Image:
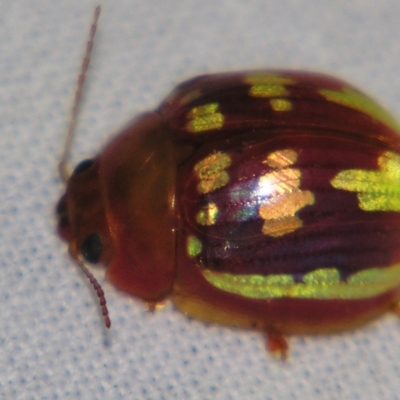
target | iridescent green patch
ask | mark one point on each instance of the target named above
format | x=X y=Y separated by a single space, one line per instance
x=323 y=283
x=376 y=190
x=211 y=172
x=194 y=246
x=268 y=90
x=358 y=101
x=204 y=118
x=281 y=105
x=266 y=78
x=268 y=85
x=208 y=214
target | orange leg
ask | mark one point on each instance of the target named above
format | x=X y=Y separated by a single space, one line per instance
x=277 y=345
x=396 y=308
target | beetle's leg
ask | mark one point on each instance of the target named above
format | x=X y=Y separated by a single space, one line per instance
x=277 y=345
x=396 y=308
x=155 y=305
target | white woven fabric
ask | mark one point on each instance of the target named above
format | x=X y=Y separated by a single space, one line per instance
x=52 y=343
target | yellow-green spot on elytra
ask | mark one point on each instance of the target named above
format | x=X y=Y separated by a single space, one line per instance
x=265 y=78
x=268 y=85
x=377 y=190
x=194 y=246
x=281 y=104
x=211 y=172
x=268 y=90
x=204 y=118
x=208 y=214
x=359 y=101
x=323 y=283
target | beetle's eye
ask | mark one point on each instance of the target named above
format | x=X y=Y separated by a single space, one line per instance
x=82 y=166
x=91 y=248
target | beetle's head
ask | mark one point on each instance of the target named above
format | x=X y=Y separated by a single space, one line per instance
x=81 y=215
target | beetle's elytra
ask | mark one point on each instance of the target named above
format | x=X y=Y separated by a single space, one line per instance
x=267 y=200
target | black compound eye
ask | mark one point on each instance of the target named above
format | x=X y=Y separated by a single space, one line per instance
x=82 y=166
x=91 y=248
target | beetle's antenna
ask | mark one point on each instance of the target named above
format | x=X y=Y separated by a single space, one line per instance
x=99 y=291
x=63 y=167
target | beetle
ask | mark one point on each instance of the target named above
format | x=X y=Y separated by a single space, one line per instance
x=267 y=200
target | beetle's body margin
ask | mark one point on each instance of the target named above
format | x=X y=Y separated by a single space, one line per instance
x=266 y=200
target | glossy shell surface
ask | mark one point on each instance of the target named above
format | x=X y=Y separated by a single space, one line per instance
x=266 y=200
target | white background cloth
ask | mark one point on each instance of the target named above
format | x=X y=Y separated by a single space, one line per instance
x=52 y=341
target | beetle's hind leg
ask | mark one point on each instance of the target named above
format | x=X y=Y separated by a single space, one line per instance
x=277 y=345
